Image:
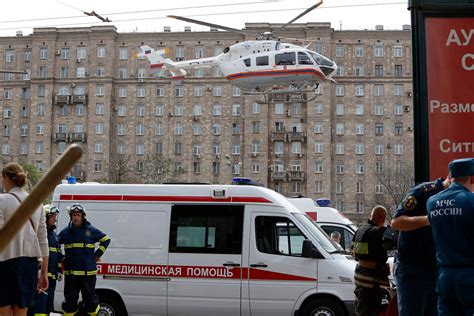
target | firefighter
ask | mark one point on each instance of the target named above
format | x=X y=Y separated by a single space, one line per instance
x=80 y=262
x=370 y=244
x=44 y=301
x=451 y=215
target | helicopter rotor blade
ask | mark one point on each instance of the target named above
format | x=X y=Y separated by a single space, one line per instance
x=302 y=14
x=220 y=27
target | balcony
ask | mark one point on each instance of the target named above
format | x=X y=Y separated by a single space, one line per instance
x=278 y=136
x=60 y=137
x=80 y=98
x=278 y=176
x=77 y=137
x=296 y=175
x=297 y=136
x=60 y=99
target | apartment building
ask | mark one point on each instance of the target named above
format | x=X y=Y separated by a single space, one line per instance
x=351 y=141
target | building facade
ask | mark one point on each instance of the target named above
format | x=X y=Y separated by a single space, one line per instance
x=351 y=141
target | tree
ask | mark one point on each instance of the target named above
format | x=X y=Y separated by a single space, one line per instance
x=396 y=180
x=32 y=174
x=156 y=169
x=119 y=169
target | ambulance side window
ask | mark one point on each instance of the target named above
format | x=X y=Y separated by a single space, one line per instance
x=278 y=235
x=206 y=229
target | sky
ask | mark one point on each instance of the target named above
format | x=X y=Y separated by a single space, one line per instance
x=150 y=16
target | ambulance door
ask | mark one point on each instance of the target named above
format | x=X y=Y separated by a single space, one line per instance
x=278 y=274
x=206 y=249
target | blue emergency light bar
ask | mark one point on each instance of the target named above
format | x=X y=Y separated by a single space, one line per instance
x=323 y=202
x=245 y=181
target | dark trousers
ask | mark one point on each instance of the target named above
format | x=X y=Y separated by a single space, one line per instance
x=86 y=285
x=455 y=288
x=368 y=300
x=44 y=302
x=416 y=290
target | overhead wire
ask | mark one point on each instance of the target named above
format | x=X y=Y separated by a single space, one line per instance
x=116 y=21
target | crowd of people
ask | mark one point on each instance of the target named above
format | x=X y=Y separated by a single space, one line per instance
x=33 y=262
x=434 y=265
x=434 y=268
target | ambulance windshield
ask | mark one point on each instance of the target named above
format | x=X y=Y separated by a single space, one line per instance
x=316 y=233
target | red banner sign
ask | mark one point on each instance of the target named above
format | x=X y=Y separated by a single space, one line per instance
x=450 y=73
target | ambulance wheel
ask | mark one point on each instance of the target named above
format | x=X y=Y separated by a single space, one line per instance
x=110 y=305
x=323 y=307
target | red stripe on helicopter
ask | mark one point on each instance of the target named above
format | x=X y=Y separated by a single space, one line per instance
x=165 y=198
x=156 y=66
x=274 y=73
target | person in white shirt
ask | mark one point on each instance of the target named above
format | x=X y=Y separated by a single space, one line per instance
x=19 y=261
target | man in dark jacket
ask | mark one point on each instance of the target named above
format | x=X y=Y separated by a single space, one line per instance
x=44 y=301
x=370 y=243
x=80 y=267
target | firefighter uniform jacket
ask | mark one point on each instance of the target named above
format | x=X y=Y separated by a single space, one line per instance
x=80 y=250
x=55 y=254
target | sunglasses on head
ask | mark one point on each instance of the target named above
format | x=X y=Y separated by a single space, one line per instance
x=77 y=207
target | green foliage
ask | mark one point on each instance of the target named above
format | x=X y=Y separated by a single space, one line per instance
x=33 y=175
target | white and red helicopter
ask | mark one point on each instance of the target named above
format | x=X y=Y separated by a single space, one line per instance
x=257 y=66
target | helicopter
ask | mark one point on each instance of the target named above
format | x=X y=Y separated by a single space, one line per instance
x=260 y=66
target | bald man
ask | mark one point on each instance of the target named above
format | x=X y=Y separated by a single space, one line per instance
x=371 y=242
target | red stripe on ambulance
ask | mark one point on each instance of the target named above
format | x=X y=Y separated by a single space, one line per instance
x=151 y=198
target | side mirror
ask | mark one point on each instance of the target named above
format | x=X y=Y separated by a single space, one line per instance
x=308 y=250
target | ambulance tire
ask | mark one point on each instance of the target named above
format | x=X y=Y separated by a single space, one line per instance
x=323 y=307
x=110 y=305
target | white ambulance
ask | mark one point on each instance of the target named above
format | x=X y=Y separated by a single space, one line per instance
x=328 y=218
x=209 y=250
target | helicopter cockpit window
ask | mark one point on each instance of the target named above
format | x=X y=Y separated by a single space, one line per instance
x=262 y=60
x=285 y=59
x=247 y=62
x=303 y=59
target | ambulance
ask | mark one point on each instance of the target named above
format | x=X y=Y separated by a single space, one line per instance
x=179 y=249
x=328 y=218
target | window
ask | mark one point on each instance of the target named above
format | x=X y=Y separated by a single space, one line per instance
x=359 y=207
x=198 y=52
x=216 y=110
x=318 y=148
x=81 y=53
x=196 y=167
x=122 y=92
x=256 y=127
x=279 y=127
x=42 y=72
x=378 y=188
x=303 y=59
x=378 y=129
x=140 y=129
x=40 y=129
x=340 y=149
x=319 y=48
x=160 y=91
x=197 y=129
x=279 y=108
x=378 y=50
x=359 y=90
x=359 y=110
x=100 y=90
x=296 y=147
x=139 y=149
x=261 y=61
x=99 y=108
x=63 y=110
x=99 y=128
x=24 y=130
x=397 y=109
x=43 y=53
x=122 y=110
x=398 y=149
x=216 y=167
x=64 y=72
x=216 y=129
x=340 y=51
x=217 y=90
x=206 y=229
x=235 y=109
x=159 y=110
x=378 y=109
x=199 y=73
x=101 y=52
x=255 y=147
x=7 y=93
x=122 y=73
x=378 y=167
x=278 y=236
x=27 y=55
x=359 y=187
x=339 y=187
x=398 y=90
x=318 y=167
x=398 y=71
x=256 y=108
x=197 y=109
x=359 y=129
x=121 y=129
x=339 y=90
x=318 y=186
x=5 y=149
x=198 y=91
x=359 y=71
x=79 y=110
x=279 y=148
x=339 y=168
x=179 y=53
x=98 y=147
x=339 y=129
x=359 y=149
x=179 y=91
x=159 y=148
x=318 y=107
x=97 y=165
x=255 y=167
x=318 y=128
x=121 y=149
x=235 y=91
x=6 y=130
x=359 y=51
x=178 y=110
x=235 y=128
x=247 y=62
x=178 y=148
x=40 y=109
x=159 y=129
x=178 y=128
x=141 y=73
x=296 y=108
x=39 y=147
x=123 y=54
x=23 y=149
x=378 y=90
x=235 y=149
x=216 y=148
x=340 y=71
x=378 y=71
x=285 y=59
x=7 y=112
x=339 y=109
x=398 y=128
x=360 y=168
x=397 y=51
x=379 y=149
